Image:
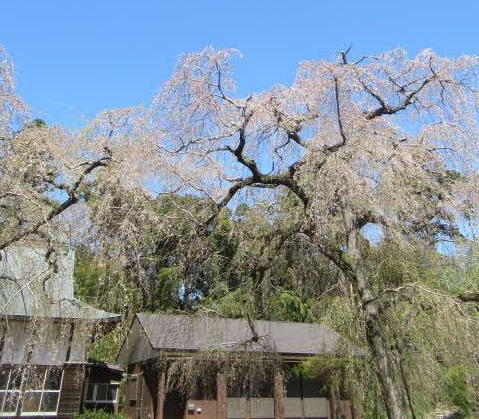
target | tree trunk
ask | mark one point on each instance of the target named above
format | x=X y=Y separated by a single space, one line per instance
x=392 y=386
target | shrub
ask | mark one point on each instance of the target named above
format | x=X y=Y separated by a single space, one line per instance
x=98 y=414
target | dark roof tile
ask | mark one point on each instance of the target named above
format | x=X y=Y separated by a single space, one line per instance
x=194 y=333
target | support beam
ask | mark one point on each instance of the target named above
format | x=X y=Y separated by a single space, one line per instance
x=161 y=395
x=333 y=403
x=221 y=396
x=278 y=396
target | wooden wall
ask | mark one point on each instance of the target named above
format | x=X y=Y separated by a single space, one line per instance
x=307 y=400
x=71 y=390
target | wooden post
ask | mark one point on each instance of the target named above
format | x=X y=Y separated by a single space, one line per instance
x=161 y=395
x=333 y=406
x=221 y=396
x=248 y=408
x=344 y=407
x=278 y=396
x=355 y=406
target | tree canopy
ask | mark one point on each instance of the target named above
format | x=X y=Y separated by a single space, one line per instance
x=333 y=195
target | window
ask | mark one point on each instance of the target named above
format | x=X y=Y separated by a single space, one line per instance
x=40 y=394
x=10 y=381
x=102 y=393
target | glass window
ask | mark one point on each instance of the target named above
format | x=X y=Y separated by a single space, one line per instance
x=41 y=390
x=31 y=401
x=53 y=379
x=35 y=377
x=112 y=391
x=11 y=402
x=102 y=392
x=4 y=373
x=9 y=396
x=15 y=379
x=50 y=401
x=89 y=393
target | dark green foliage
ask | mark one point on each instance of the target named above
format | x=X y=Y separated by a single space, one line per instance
x=457 y=391
x=87 y=276
x=231 y=303
x=98 y=414
x=251 y=262
x=288 y=306
x=36 y=123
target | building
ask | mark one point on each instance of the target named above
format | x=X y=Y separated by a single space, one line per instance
x=102 y=386
x=45 y=333
x=158 y=345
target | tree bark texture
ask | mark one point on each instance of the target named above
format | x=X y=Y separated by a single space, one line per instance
x=392 y=386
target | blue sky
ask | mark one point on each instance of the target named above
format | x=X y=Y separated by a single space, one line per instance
x=75 y=58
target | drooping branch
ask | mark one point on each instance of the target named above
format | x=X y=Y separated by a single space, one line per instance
x=73 y=198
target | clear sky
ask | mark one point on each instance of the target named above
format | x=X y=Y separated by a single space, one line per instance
x=75 y=58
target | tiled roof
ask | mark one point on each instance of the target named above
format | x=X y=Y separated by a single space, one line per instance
x=195 y=333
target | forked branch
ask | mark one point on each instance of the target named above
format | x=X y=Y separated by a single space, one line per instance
x=73 y=198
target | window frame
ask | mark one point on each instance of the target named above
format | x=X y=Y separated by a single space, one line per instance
x=93 y=399
x=22 y=391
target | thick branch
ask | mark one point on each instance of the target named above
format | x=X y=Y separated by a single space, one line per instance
x=238 y=151
x=386 y=109
x=337 y=146
x=292 y=126
x=71 y=200
x=469 y=296
x=259 y=181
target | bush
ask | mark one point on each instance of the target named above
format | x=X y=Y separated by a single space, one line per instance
x=98 y=414
x=458 y=393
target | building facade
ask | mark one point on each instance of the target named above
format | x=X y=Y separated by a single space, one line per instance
x=233 y=353
x=45 y=333
x=102 y=386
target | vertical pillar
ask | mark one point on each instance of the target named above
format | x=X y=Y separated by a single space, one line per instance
x=247 y=412
x=161 y=394
x=248 y=408
x=344 y=406
x=221 y=396
x=278 y=396
x=301 y=389
x=333 y=403
x=355 y=405
x=340 y=409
